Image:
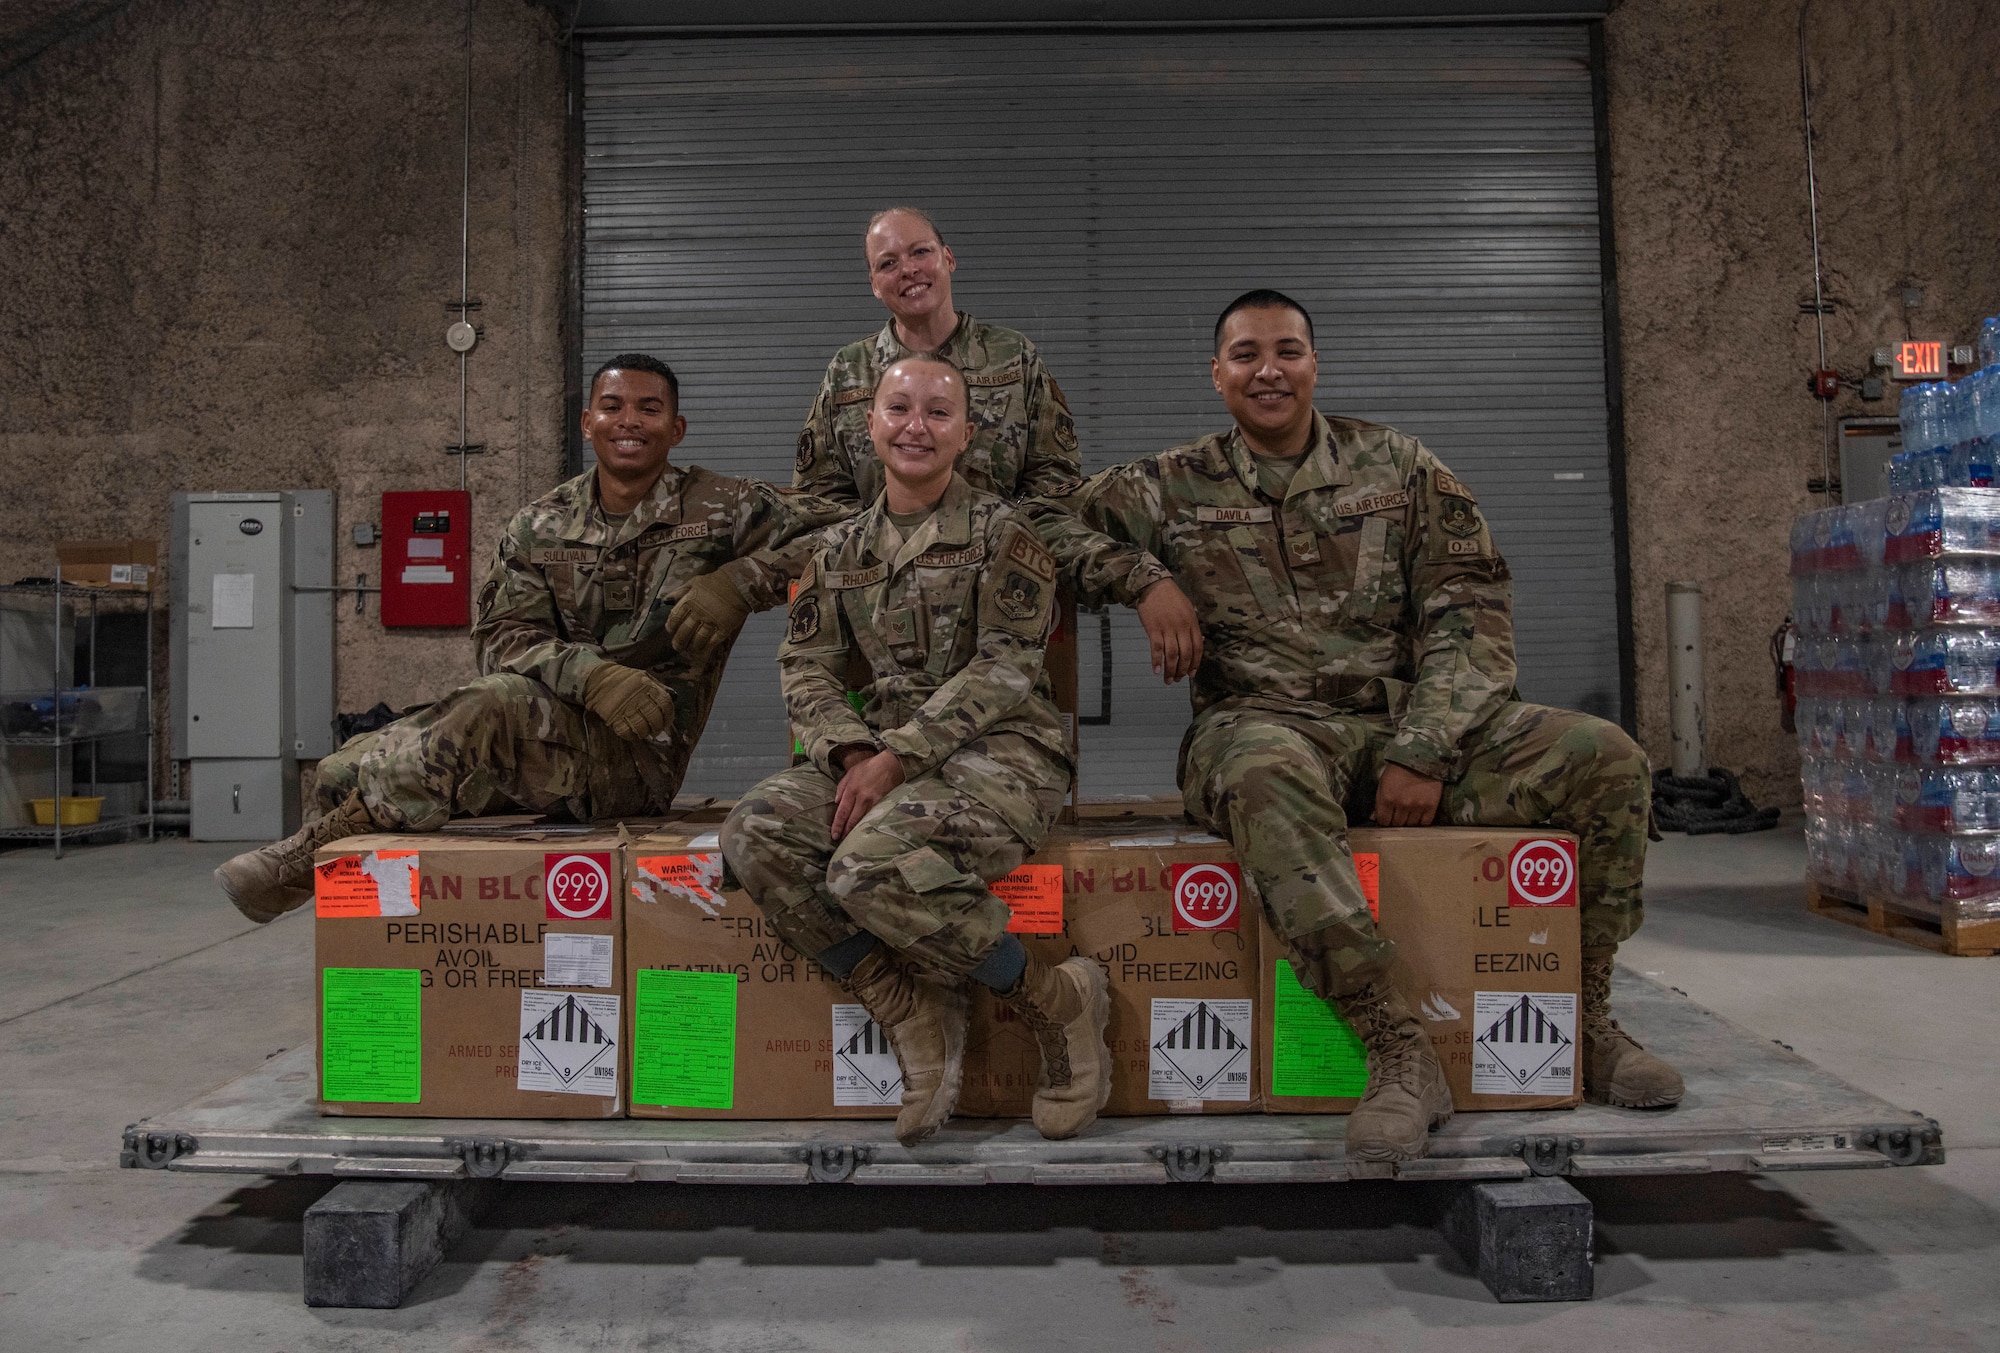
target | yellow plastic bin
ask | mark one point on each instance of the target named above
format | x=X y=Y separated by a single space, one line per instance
x=76 y=812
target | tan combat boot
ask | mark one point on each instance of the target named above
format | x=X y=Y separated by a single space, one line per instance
x=926 y=1025
x=1407 y=1096
x=1066 y=1007
x=268 y=882
x=1616 y=1070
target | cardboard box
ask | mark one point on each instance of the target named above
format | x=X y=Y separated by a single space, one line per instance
x=1488 y=955
x=1160 y=907
x=128 y=565
x=724 y=1019
x=472 y=976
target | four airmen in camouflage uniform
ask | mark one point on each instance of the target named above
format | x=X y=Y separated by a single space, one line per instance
x=1350 y=638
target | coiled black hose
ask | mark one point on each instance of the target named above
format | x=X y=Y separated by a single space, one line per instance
x=1705 y=805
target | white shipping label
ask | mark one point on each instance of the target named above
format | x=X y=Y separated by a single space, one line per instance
x=230 y=599
x=1200 y=1050
x=865 y=1073
x=569 y=1043
x=1523 y=1043
x=576 y=960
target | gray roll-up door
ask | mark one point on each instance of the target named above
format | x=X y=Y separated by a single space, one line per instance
x=1429 y=194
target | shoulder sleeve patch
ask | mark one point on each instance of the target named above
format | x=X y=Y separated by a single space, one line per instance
x=804 y=460
x=1445 y=482
x=1027 y=552
x=804 y=625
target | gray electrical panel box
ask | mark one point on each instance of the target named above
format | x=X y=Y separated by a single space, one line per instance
x=252 y=654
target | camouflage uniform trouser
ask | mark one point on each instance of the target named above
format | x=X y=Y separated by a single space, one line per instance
x=1283 y=787
x=913 y=872
x=502 y=744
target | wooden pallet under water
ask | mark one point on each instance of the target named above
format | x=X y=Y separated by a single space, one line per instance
x=1925 y=924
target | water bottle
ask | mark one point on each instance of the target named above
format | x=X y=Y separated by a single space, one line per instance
x=1989 y=340
x=1910 y=415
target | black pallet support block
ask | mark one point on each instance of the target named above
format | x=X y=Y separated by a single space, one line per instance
x=1527 y=1239
x=369 y=1242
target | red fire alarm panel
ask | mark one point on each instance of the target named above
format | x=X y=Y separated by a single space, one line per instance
x=426 y=548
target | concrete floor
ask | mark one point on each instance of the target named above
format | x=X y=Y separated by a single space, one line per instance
x=128 y=986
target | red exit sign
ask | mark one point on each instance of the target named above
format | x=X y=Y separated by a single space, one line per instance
x=1920 y=359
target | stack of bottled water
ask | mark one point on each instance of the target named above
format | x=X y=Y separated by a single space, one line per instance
x=1897 y=604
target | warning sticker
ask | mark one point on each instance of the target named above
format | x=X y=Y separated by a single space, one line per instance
x=693 y=879
x=380 y=883
x=1314 y=1054
x=684 y=1039
x=569 y=1043
x=1524 y=1043
x=576 y=960
x=371 y=1035
x=1368 y=867
x=1206 y=896
x=1200 y=1050
x=865 y=1073
x=1034 y=895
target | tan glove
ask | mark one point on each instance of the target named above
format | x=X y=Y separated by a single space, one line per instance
x=707 y=616
x=633 y=703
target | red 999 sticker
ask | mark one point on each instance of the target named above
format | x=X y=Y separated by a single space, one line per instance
x=1542 y=873
x=1206 y=896
x=577 y=887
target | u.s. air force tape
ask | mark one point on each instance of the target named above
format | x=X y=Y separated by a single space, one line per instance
x=1373 y=502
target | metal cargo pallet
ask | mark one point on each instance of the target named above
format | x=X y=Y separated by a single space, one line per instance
x=1751 y=1105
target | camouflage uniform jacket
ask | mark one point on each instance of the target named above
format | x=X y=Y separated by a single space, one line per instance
x=569 y=589
x=1023 y=442
x=951 y=623
x=1373 y=587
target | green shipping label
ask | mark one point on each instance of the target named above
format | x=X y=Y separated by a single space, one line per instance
x=372 y=1035
x=1314 y=1053
x=684 y=1039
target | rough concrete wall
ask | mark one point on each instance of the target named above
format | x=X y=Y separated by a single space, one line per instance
x=1714 y=259
x=228 y=230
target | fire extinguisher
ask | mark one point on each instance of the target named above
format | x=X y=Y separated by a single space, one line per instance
x=1784 y=653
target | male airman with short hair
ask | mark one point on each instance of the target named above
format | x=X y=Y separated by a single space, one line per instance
x=1360 y=662
x=601 y=634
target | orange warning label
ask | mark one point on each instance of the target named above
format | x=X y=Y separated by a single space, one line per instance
x=1369 y=866
x=1034 y=894
x=380 y=883
x=692 y=878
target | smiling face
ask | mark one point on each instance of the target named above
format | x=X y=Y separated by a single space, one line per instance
x=920 y=428
x=632 y=425
x=1265 y=369
x=908 y=269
